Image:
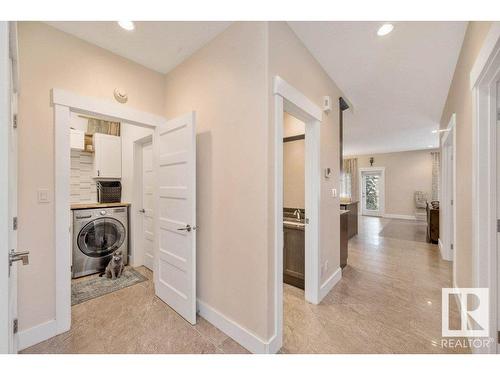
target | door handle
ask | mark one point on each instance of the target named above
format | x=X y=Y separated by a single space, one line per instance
x=188 y=228
x=142 y=210
x=20 y=256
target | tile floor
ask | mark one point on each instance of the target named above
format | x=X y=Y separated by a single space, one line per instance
x=388 y=301
x=134 y=320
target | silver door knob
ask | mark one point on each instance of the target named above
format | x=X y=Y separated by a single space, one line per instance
x=19 y=256
x=142 y=210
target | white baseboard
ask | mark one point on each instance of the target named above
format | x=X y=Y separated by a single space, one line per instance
x=241 y=335
x=444 y=255
x=397 y=216
x=330 y=283
x=37 y=334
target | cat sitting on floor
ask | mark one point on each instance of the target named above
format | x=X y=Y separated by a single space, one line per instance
x=114 y=269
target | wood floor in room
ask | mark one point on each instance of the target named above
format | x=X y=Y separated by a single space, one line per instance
x=388 y=301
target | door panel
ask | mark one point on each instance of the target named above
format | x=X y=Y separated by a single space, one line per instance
x=147 y=205
x=372 y=193
x=8 y=179
x=175 y=214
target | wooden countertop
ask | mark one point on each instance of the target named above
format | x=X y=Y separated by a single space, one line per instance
x=81 y=206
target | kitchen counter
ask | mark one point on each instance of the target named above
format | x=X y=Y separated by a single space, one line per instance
x=82 y=206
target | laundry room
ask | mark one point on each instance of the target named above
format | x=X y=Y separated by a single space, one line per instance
x=111 y=205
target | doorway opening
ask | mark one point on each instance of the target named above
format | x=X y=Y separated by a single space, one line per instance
x=143 y=225
x=372 y=194
x=294 y=212
x=173 y=144
x=289 y=101
x=448 y=171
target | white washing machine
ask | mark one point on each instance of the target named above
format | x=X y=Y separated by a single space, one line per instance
x=97 y=233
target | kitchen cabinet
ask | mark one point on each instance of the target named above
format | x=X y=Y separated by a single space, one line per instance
x=294 y=256
x=77 y=139
x=352 y=225
x=344 y=240
x=107 y=156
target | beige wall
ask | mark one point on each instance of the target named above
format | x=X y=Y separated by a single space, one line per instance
x=289 y=59
x=49 y=58
x=229 y=84
x=460 y=102
x=293 y=164
x=405 y=173
x=225 y=82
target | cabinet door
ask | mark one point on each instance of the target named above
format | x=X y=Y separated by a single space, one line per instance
x=108 y=156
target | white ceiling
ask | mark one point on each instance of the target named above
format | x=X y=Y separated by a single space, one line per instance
x=157 y=45
x=397 y=84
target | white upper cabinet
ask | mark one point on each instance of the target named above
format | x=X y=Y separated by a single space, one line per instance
x=108 y=156
x=77 y=139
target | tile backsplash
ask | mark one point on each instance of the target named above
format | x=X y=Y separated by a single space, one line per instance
x=83 y=187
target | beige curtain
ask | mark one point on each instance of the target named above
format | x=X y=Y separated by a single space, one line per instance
x=350 y=167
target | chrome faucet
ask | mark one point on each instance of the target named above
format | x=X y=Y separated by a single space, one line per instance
x=297 y=214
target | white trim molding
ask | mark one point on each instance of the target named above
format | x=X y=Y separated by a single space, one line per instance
x=484 y=77
x=64 y=102
x=238 y=333
x=330 y=283
x=37 y=334
x=295 y=97
x=288 y=99
x=398 y=216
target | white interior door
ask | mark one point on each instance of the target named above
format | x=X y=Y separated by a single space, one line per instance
x=148 y=205
x=372 y=193
x=8 y=179
x=175 y=214
x=498 y=208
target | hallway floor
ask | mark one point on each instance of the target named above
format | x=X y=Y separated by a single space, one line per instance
x=134 y=320
x=388 y=300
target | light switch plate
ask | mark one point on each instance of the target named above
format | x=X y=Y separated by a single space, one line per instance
x=43 y=196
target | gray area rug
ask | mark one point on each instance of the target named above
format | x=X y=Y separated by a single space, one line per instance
x=94 y=286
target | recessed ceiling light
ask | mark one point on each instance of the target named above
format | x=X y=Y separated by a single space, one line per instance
x=385 y=29
x=127 y=25
x=430 y=146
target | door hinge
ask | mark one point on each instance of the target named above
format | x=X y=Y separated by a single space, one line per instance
x=498 y=337
x=14 y=223
x=498 y=225
x=15 y=326
x=14 y=121
x=451 y=246
x=452 y=202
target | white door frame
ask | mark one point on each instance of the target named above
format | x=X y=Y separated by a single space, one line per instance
x=136 y=239
x=65 y=102
x=448 y=213
x=288 y=99
x=381 y=211
x=484 y=74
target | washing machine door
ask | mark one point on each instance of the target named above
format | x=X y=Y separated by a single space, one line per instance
x=101 y=237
